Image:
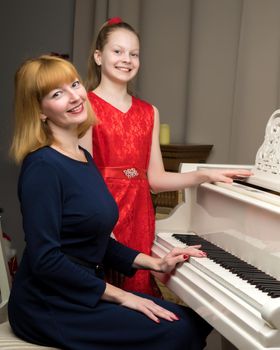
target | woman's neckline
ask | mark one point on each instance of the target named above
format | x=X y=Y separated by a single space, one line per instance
x=110 y=104
x=69 y=155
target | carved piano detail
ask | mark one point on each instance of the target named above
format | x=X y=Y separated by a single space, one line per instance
x=237 y=287
x=267 y=165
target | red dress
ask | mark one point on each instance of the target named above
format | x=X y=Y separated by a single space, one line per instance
x=121 y=150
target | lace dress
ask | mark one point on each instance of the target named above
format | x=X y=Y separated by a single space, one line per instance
x=121 y=150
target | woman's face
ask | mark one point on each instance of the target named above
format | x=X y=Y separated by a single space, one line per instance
x=64 y=107
x=119 y=58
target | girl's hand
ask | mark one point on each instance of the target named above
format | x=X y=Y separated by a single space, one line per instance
x=178 y=255
x=225 y=175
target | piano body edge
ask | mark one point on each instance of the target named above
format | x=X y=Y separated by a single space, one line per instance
x=240 y=323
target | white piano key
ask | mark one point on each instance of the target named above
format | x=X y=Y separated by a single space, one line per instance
x=237 y=285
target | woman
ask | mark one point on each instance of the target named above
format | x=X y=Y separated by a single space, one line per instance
x=59 y=296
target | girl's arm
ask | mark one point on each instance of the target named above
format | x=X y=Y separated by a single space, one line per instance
x=161 y=180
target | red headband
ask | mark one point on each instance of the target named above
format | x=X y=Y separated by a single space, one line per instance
x=114 y=20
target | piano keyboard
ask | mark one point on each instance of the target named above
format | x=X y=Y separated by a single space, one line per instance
x=247 y=272
x=240 y=286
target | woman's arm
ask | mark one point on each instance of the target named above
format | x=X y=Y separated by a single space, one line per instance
x=41 y=197
x=169 y=262
x=161 y=180
x=142 y=261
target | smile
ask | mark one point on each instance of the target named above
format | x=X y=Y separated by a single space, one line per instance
x=124 y=69
x=76 y=109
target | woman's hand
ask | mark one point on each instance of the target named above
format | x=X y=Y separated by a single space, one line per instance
x=148 y=308
x=178 y=255
x=169 y=261
x=137 y=303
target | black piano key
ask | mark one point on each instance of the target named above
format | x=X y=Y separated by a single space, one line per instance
x=244 y=270
x=268 y=289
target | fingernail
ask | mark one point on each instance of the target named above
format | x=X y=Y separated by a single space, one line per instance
x=157 y=321
x=186 y=257
x=177 y=318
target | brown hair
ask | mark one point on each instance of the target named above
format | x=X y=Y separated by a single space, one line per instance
x=94 y=71
x=33 y=80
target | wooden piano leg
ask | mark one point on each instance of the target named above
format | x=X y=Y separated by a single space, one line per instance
x=216 y=341
x=226 y=345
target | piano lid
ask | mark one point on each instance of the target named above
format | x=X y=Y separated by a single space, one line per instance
x=267 y=165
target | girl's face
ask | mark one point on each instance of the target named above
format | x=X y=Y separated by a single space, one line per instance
x=64 y=107
x=119 y=58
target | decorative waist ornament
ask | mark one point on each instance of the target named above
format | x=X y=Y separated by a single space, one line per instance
x=131 y=172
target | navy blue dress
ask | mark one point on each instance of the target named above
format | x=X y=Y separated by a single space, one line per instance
x=68 y=216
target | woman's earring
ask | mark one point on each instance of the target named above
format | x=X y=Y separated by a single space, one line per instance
x=43 y=118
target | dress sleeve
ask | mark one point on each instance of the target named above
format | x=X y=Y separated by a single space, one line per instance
x=120 y=257
x=41 y=197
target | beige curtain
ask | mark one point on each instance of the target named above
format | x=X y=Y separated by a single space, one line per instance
x=210 y=66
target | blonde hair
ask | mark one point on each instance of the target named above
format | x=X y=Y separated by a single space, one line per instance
x=34 y=79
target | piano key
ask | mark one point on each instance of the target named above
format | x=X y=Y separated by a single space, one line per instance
x=239 y=286
x=233 y=263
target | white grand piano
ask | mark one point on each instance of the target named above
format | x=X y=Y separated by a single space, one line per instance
x=237 y=287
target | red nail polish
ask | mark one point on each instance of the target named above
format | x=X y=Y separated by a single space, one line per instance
x=186 y=257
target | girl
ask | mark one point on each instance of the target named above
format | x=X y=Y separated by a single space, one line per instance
x=125 y=143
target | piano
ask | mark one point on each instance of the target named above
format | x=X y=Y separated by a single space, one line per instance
x=237 y=287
